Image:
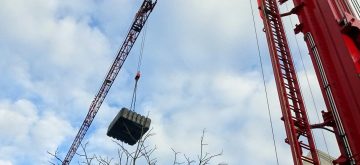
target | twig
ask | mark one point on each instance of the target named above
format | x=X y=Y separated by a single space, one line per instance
x=55 y=156
x=188 y=160
x=175 y=157
x=205 y=159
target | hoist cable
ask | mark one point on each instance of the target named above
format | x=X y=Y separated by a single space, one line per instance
x=133 y=100
x=356 y=6
x=264 y=82
x=308 y=82
x=137 y=77
x=142 y=48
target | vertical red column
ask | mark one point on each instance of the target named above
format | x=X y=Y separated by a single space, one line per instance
x=332 y=36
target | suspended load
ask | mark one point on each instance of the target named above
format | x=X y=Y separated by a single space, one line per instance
x=128 y=126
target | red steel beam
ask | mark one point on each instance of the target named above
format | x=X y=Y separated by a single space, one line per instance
x=299 y=135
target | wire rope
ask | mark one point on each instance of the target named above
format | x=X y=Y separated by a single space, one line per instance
x=137 y=77
x=356 y=6
x=143 y=39
x=308 y=82
x=133 y=99
x=264 y=82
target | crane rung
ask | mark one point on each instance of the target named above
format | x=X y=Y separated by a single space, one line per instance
x=307 y=159
x=304 y=146
x=137 y=28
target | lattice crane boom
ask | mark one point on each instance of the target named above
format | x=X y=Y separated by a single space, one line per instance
x=136 y=27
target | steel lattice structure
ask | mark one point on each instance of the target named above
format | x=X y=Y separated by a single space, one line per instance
x=299 y=135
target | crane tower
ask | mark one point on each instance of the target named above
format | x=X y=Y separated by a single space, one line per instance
x=332 y=33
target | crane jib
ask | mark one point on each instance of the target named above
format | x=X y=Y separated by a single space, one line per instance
x=136 y=27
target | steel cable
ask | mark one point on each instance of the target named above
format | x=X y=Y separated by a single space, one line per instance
x=264 y=82
x=137 y=77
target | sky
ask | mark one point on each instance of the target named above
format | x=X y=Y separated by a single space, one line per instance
x=200 y=70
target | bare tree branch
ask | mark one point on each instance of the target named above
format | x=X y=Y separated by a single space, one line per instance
x=55 y=155
x=120 y=155
x=189 y=161
x=142 y=150
x=121 y=145
x=147 y=154
x=88 y=159
x=205 y=158
x=175 y=157
x=103 y=161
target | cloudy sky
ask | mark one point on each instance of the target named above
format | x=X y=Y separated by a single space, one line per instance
x=200 y=70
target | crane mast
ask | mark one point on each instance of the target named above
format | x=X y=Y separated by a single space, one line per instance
x=299 y=135
x=331 y=30
x=332 y=33
x=136 y=27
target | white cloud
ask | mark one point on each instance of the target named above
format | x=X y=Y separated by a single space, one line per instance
x=5 y=162
x=26 y=134
x=51 y=58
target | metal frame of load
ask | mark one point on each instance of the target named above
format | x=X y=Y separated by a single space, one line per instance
x=128 y=126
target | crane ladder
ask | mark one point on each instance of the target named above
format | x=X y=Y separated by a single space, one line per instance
x=299 y=135
x=138 y=23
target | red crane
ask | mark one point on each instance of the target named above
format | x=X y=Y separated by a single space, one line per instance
x=332 y=33
x=136 y=27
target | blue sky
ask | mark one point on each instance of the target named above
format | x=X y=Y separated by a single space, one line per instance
x=200 y=70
